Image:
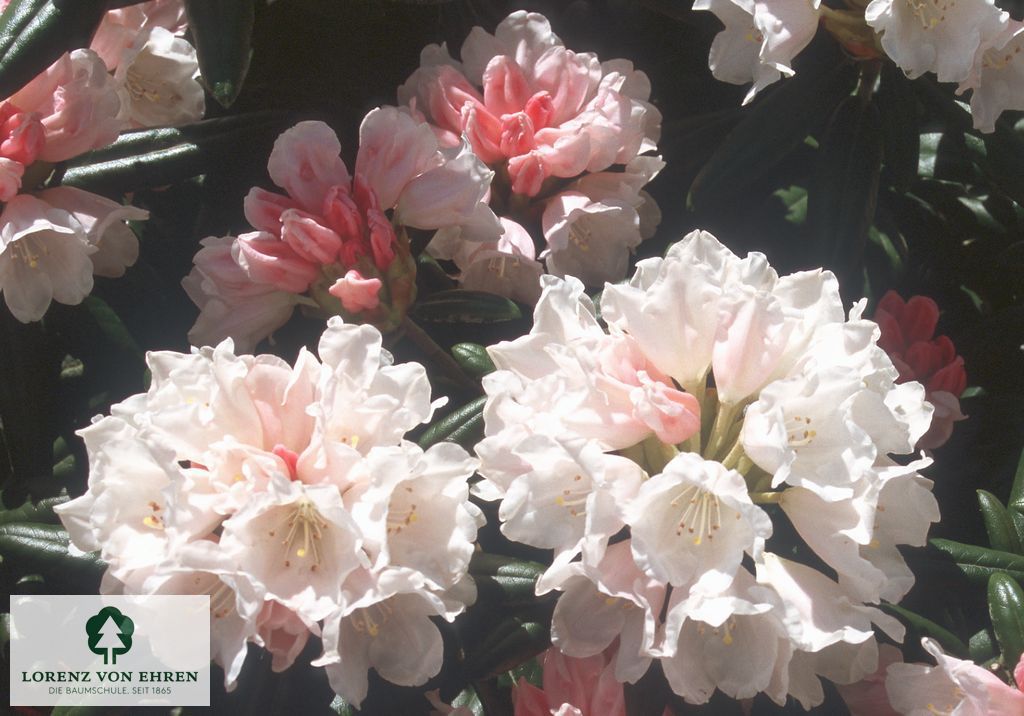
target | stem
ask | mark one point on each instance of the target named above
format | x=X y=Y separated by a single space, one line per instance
x=765 y=498
x=439 y=356
x=734 y=455
x=720 y=428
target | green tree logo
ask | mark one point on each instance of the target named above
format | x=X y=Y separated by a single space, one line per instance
x=110 y=633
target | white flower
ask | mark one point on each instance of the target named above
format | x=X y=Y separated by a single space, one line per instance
x=940 y=36
x=287 y=493
x=157 y=75
x=997 y=78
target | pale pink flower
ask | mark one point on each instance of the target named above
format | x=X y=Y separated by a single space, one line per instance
x=120 y=27
x=157 y=81
x=77 y=103
x=868 y=697
x=287 y=493
x=331 y=237
x=953 y=686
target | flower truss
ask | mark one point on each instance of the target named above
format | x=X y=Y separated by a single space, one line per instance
x=336 y=242
x=658 y=458
x=970 y=42
x=288 y=494
x=53 y=241
x=564 y=133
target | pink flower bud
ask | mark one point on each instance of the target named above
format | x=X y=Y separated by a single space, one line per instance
x=516 y=134
x=308 y=239
x=263 y=209
x=505 y=86
x=342 y=215
x=382 y=239
x=540 y=108
x=357 y=293
x=21 y=135
x=527 y=172
x=267 y=259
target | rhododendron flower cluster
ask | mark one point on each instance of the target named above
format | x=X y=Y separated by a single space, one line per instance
x=335 y=242
x=971 y=42
x=52 y=242
x=908 y=336
x=657 y=455
x=564 y=133
x=288 y=494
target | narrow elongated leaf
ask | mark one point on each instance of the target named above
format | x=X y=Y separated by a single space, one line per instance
x=1017 y=490
x=157 y=157
x=774 y=126
x=998 y=524
x=843 y=191
x=463 y=306
x=41 y=511
x=926 y=627
x=222 y=32
x=509 y=643
x=1006 y=608
x=900 y=130
x=455 y=426
x=979 y=563
x=43 y=549
x=472 y=358
x=504 y=579
x=982 y=646
x=34 y=33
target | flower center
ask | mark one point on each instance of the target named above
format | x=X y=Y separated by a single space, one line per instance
x=304 y=523
x=999 y=59
x=572 y=499
x=28 y=250
x=930 y=12
x=799 y=432
x=401 y=515
x=370 y=619
x=702 y=513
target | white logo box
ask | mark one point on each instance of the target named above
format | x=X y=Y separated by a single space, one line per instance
x=137 y=650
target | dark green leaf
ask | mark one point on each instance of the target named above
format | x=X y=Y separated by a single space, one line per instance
x=158 y=157
x=1006 y=607
x=926 y=627
x=342 y=707
x=457 y=425
x=509 y=643
x=775 y=125
x=34 y=33
x=979 y=563
x=469 y=699
x=843 y=190
x=504 y=579
x=998 y=525
x=462 y=306
x=1017 y=490
x=900 y=132
x=982 y=646
x=222 y=33
x=41 y=511
x=43 y=549
x=473 y=358
x=112 y=327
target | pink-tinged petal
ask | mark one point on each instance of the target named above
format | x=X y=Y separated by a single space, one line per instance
x=341 y=214
x=526 y=36
x=22 y=135
x=78 y=105
x=117 y=247
x=483 y=130
x=951 y=378
x=305 y=162
x=446 y=96
x=10 y=178
x=383 y=239
x=540 y=109
x=527 y=172
x=393 y=150
x=1018 y=673
x=266 y=259
x=308 y=239
x=566 y=153
x=449 y=195
x=569 y=79
x=868 y=697
x=263 y=209
x=282 y=633
x=517 y=135
x=528 y=700
x=505 y=87
x=357 y=293
x=919 y=319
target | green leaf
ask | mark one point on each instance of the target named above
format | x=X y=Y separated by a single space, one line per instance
x=504 y=579
x=468 y=699
x=900 y=131
x=979 y=563
x=926 y=627
x=1006 y=607
x=795 y=200
x=998 y=524
x=509 y=643
x=462 y=306
x=158 y=157
x=34 y=33
x=459 y=426
x=222 y=34
x=43 y=549
x=1017 y=489
x=775 y=125
x=473 y=358
x=843 y=191
x=982 y=646
x=41 y=511
x=112 y=327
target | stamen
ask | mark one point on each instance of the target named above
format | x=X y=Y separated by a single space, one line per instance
x=307 y=522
